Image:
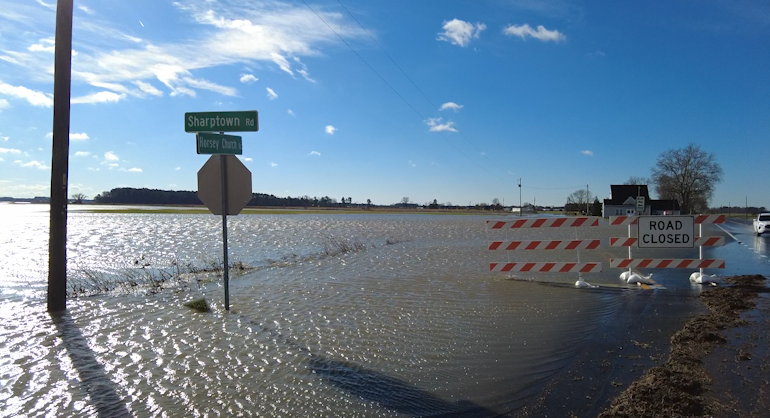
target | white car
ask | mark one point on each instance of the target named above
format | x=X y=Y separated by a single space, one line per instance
x=761 y=223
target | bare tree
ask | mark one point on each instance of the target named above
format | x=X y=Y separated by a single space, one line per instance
x=688 y=175
x=79 y=197
x=633 y=180
x=405 y=200
x=578 y=201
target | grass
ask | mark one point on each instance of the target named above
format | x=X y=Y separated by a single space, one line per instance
x=144 y=278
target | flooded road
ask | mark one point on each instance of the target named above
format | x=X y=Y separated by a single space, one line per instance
x=409 y=323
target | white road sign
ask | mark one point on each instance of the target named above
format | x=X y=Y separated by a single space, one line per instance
x=666 y=232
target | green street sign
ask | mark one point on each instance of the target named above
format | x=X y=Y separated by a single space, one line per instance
x=240 y=121
x=207 y=143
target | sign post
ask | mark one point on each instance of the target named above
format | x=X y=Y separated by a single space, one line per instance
x=640 y=205
x=224 y=183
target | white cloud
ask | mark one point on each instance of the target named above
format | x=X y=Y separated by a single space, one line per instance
x=451 y=105
x=110 y=156
x=134 y=170
x=271 y=94
x=413 y=164
x=459 y=32
x=282 y=63
x=315 y=153
x=147 y=88
x=4 y=104
x=208 y=85
x=5 y=138
x=303 y=71
x=35 y=98
x=78 y=137
x=46 y=5
x=273 y=164
x=596 y=54
x=9 y=151
x=82 y=154
x=248 y=78
x=100 y=97
x=178 y=168
x=541 y=33
x=247 y=159
x=86 y=9
x=35 y=164
x=290 y=112
x=42 y=48
x=224 y=34
x=1 y=160
x=436 y=125
x=587 y=152
x=330 y=129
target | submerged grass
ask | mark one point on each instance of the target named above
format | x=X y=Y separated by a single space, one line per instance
x=145 y=278
x=677 y=388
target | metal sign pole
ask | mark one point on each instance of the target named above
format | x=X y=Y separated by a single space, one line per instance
x=226 y=275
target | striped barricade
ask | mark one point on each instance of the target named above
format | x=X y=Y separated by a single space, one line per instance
x=698 y=219
x=699 y=241
x=545 y=267
x=588 y=244
x=666 y=263
x=544 y=223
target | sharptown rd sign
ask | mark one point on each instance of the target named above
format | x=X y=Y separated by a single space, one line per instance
x=666 y=232
x=238 y=121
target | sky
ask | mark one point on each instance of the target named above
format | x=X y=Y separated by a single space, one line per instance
x=455 y=101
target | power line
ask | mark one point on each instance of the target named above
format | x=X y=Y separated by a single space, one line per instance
x=396 y=92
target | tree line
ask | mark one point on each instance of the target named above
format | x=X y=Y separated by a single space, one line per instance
x=132 y=196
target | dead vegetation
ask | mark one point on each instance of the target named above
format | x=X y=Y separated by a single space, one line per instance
x=677 y=388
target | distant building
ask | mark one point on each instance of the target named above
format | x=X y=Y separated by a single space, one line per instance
x=622 y=202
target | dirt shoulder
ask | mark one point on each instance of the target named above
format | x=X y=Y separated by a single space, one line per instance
x=718 y=364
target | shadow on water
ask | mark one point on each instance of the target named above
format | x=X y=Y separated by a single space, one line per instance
x=393 y=393
x=93 y=379
x=387 y=391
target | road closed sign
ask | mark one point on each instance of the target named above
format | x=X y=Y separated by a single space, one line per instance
x=666 y=232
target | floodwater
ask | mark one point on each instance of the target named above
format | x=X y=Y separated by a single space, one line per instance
x=409 y=323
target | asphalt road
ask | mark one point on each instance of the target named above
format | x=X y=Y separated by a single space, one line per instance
x=744 y=252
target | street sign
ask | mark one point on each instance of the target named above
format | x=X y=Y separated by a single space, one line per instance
x=238 y=184
x=239 y=121
x=206 y=143
x=666 y=232
x=640 y=205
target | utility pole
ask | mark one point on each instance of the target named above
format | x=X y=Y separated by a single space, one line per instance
x=520 y=208
x=57 y=241
x=588 y=199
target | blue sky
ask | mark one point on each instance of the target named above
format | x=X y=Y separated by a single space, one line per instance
x=446 y=100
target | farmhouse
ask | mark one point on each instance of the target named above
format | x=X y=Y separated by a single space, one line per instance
x=622 y=202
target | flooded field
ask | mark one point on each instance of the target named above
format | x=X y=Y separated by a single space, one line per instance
x=408 y=322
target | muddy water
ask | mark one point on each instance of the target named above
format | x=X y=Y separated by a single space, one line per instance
x=412 y=328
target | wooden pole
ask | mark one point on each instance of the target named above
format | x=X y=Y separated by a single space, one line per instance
x=57 y=242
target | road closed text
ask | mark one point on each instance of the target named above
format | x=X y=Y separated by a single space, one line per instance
x=666 y=232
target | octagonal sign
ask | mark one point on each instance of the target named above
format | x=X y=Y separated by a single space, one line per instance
x=238 y=184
